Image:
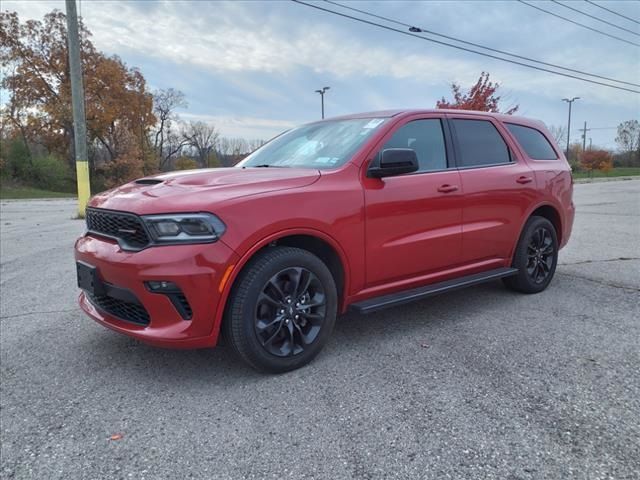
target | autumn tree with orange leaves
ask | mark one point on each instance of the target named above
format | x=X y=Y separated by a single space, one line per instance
x=481 y=97
x=119 y=109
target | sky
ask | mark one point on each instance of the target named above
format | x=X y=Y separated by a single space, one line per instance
x=252 y=68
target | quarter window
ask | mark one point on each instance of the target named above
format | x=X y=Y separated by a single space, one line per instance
x=533 y=142
x=426 y=138
x=480 y=143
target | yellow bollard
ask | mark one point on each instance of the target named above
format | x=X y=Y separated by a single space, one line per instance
x=84 y=188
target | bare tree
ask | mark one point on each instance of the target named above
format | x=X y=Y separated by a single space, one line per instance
x=235 y=148
x=174 y=143
x=628 y=139
x=203 y=138
x=560 y=134
x=165 y=103
x=255 y=144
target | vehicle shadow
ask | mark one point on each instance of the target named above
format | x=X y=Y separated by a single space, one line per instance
x=353 y=332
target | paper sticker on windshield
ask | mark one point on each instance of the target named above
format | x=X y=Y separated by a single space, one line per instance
x=374 y=123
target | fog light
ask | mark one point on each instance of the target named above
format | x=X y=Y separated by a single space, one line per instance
x=161 y=286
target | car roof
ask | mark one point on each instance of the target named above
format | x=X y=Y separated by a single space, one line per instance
x=409 y=112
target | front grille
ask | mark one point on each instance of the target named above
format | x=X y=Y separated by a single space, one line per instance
x=126 y=227
x=128 y=311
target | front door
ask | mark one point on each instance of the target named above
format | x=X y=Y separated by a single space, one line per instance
x=413 y=221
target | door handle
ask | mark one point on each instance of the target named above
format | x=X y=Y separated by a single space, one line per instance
x=447 y=188
x=524 y=180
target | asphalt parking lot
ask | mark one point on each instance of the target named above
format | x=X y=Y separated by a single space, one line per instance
x=481 y=383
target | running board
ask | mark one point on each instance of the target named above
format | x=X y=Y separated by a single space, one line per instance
x=406 y=296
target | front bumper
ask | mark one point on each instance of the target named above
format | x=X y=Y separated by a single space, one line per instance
x=197 y=269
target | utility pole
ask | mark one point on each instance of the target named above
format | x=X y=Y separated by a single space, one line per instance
x=77 y=101
x=322 y=92
x=569 y=122
x=584 y=136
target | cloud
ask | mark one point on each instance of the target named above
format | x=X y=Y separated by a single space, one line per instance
x=244 y=61
x=226 y=39
x=242 y=126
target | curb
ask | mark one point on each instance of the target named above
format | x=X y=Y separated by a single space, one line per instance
x=604 y=179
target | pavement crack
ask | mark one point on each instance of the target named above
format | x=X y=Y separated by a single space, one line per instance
x=619 y=259
x=609 y=214
x=36 y=313
x=601 y=282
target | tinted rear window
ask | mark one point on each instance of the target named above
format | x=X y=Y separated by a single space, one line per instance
x=480 y=143
x=533 y=142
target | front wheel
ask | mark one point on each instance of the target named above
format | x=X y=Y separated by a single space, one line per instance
x=536 y=257
x=281 y=310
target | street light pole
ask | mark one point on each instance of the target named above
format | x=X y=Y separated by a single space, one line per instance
x=322 y=92
x=569 y=101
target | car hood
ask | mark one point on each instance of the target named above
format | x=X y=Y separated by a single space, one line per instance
x=199 y=190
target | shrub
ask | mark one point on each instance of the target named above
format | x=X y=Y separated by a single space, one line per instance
x=4 y=171
x=596 y=160
x=49 y=173
x=122 y=170
x=17 y=159
x=97 y=180
x=185 y=163
x=212 y=160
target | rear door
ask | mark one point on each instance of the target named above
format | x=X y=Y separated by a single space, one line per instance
x=413 y=221
x=499 y=187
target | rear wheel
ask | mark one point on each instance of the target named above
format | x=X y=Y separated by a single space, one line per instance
x=282 y=309
x=536 y=257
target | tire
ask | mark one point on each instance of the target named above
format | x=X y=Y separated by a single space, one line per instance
x=536 y=257
x=267 y=331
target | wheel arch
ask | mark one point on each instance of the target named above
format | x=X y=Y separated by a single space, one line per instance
x=545 y=210
x=314 y=241
x=550 y=213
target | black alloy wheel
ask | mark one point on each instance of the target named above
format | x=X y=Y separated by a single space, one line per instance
x=290 y=311
x=281 y=310
x=540 y=254
x=535 y=257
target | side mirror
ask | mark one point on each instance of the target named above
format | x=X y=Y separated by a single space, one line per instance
x=395 y=161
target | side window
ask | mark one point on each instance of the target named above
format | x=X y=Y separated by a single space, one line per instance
x=480 y=143
x=427 y=139
x=533 y=142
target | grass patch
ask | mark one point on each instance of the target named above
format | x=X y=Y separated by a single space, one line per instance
x=21 y=192
x=615 y=172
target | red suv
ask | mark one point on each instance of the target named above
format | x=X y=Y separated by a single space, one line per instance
x=359 y=212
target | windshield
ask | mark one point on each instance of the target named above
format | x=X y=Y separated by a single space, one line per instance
x=322 y=145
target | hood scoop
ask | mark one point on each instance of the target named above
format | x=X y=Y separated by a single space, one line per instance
x=148 y=181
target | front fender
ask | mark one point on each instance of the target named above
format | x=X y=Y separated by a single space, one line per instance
x=251 y=250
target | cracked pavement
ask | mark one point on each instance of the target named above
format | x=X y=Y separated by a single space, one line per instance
x=478 y=383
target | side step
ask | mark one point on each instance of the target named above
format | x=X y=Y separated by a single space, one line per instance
x=406 y=296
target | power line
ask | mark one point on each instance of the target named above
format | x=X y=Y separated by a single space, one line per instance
x=595 y=18
x=386 y=27
x=612 y=11
x=579 y=24
x=414 y=29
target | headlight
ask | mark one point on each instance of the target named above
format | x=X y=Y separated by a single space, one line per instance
x=184 y=228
